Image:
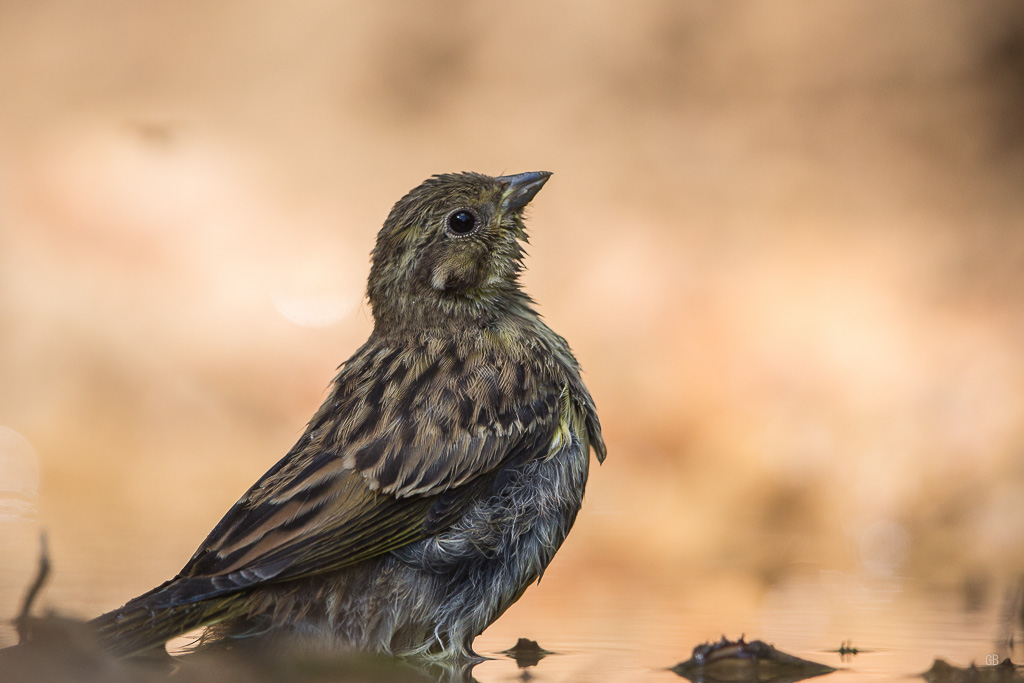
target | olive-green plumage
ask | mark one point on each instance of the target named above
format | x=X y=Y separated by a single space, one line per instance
x=436 y=481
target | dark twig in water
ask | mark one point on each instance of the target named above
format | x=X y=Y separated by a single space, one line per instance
x=21 y=622
x=847 y=651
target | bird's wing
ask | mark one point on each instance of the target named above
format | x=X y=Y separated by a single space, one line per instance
x=404 y=443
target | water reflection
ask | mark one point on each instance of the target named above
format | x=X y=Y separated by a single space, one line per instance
x=640 y=636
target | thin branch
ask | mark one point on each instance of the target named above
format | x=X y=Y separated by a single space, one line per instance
x=21 y=622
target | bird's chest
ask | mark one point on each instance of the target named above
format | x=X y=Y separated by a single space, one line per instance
x=513 y=531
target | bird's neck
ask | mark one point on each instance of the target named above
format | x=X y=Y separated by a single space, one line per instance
x=418 y=313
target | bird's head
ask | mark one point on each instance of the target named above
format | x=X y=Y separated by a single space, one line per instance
x=452 y=248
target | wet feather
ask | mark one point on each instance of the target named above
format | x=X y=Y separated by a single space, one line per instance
x=438 y=478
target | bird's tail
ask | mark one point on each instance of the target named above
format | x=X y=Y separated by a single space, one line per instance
x=150 y=620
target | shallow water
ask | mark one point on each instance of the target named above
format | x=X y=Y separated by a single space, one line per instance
x=898 y=633
x=636 y=630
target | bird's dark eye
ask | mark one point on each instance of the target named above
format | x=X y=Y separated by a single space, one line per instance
x=461 y=222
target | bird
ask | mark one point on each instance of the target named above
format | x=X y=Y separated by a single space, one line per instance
x=434 y=484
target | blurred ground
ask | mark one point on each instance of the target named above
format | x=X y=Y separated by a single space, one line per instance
x=784 y=239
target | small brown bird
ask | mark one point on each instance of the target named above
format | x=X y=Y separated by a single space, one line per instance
x=437 y=480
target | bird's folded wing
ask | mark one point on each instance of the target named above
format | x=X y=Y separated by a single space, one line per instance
x=348 y=492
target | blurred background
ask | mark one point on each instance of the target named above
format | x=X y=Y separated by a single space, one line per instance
x=784 y=238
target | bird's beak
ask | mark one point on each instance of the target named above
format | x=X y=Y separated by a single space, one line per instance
x=521 y=188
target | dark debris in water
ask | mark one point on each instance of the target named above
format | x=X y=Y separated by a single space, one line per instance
x=847 y=651
x=739 y=660
x=1004 y=672
x=527 y=653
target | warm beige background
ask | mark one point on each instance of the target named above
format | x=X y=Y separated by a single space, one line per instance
x=785 y=239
